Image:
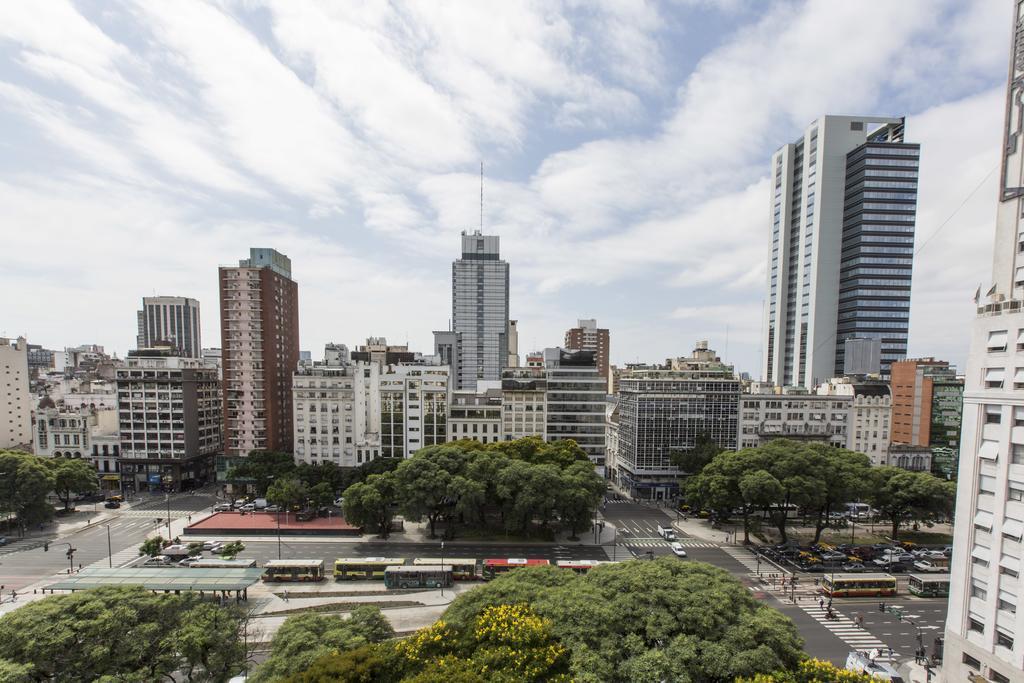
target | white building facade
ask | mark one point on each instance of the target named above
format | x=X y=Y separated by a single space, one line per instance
x=793 y=414
x=475 y=416
x=337 y=410
x=523 y=403
x=870 y=415
x=984 y=628
x=413 y=408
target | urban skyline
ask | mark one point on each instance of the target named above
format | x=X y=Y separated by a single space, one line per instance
x=570 y=226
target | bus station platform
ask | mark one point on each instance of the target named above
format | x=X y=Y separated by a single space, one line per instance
x=167 y=579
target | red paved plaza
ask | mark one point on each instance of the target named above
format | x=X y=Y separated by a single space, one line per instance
x=264 y=523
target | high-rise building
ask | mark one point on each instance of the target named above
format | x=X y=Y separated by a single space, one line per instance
x=170 y=422
x=479 y=312
x=513 y=344
x=259 y=319
x=173 y=319
x=15 y=401
x=665 y=410
x=337 y=409
x=984 y=638
x=842 y=216
x=587 y=336
x=927 y=399
x=575 y=402
x=862 y=356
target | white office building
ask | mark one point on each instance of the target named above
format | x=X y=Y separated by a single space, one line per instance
x=870 y=423
x=842 y=214
x=523 y=403
x=413 y=408
x=984 y=628
x=793 y=413
x=15 y=401
x=336 y=407
x=173 y=319
x=475 y=415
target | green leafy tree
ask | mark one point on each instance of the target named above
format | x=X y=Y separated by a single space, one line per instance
x=152 y=546
x=812 y=671
x=80 y=637
x=901 y=496
x=195 y=549
x=261 y=468
x=580 y=492
x=12 y=672
x=695 y=459
x=288 y=493
x=71 y=476
x=845 y=477
x=304 y=638
x=336 y=478
x=423 y=488
x=366 y=664
x=369 y=503
x=25 y=481
x=230 y=550
x=321 y=495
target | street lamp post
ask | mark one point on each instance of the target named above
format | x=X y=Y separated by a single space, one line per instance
x=279 y=533
x=442 y=569
x=110 y=554
x=167 y=499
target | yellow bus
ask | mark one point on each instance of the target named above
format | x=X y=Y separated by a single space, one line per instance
x=858 y=585
x=293 y=570
x=363 y=568
x=462 y=568
x=929 y=585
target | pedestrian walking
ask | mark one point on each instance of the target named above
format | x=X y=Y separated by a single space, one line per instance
x=821 y=603
x=830 y=603
x=14 y=595
x=860 y=620
x=286 y=595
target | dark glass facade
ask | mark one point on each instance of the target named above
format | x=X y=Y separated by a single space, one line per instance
x=878 y=245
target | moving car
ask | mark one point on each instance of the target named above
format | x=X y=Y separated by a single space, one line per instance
x=213 y=545
x=853 y=567
x=222 y=507
x=677 y=548
x=3 y=540
x=928 y=566
x=111 y=505
x=248 y=507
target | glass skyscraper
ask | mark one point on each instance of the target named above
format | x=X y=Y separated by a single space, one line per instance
x=479 y=332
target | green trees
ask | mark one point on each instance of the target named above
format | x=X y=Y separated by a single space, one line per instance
x=231 y=549
x=81 y=637
x=304 y=638
x=900 y=496
x=778 y=477
x=153 y=546
x=25 y=481
x=511 y=486
x=261 y=468
x=637 y=621
x=694 y=460
x=287 y=493
x=71 y=476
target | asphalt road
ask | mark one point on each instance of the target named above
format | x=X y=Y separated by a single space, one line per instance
x=24 y=561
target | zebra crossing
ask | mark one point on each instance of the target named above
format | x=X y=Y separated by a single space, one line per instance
x=661 y=543
x=120 y=558
x=743 y=556
x=849 y=632
x=21 y=544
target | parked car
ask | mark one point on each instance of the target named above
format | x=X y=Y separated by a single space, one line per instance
x=3 y=540
x=927 y=566
x=240 y=502
x=187 y=562
x=213 y=545
x=271 y=508
x=248 y=507
x=222 y=507
x=111 y=505
x=854 y=567
x=677 y=548
x=833 y=556
x=158 y=561
x=338 y=502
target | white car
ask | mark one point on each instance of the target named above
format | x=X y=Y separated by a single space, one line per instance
x=677 y=548
x=213 y=545
x=927 y=566
x=248 y=507
x=339 y=502
x=222 y=507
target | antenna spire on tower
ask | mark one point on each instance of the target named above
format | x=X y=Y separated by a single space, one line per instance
x=481 y=196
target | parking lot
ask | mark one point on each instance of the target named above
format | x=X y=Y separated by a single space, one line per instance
x=852 y=559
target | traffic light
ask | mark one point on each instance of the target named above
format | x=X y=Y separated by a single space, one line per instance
x=69 y=553
x=881 y=607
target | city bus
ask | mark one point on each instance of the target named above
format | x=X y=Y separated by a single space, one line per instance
x=858 y=585
x=363 y=568
x=580 y=566
x=494 y=567
x=293 y=570
x=221 y=564
x=929 y=585
x=418 y=576
x=463 y=569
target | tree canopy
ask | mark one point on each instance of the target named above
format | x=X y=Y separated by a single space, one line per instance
x=71 y=476
x=82 y=637
x=27 y=481
x=304 y=638
x=634 y=621
x=512 y=486
x=779 y=476
x=901 y=496
x=263 y=468
x=287 y=493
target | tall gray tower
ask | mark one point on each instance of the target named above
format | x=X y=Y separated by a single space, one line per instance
x=170 y=319
x=479 y=311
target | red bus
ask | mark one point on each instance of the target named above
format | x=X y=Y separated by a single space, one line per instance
x=499 y=566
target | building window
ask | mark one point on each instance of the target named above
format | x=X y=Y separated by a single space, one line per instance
x=1004 y=640
x=997 y=340
x=997 y=677
x=978 y=590
x=1014 y=493
x=1006 y=606
x=993 y=414
x=972 y=662
x=976 y=626
x=1017 y=454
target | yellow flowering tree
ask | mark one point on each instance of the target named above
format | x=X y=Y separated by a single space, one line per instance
x=812 y=671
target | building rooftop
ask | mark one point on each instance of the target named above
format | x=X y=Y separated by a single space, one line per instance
x=161 y=578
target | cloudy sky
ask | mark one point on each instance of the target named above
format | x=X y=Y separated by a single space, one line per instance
x=626 y=149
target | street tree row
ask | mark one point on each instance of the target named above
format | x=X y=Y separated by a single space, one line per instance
x=26 y=480
x=523 y=486
x=784 y=475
